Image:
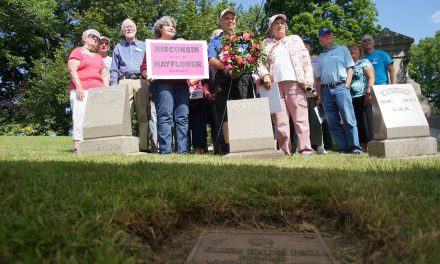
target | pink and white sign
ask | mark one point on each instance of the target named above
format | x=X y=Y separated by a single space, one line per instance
x=177 y=59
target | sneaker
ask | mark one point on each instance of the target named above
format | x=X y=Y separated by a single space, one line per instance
x=356 y=152
x=321 y=150
x=306 y=154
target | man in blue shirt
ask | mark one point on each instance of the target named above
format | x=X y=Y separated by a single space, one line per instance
x=228 y=86
x=333 y=75
x=382 y=62
x=125 y=69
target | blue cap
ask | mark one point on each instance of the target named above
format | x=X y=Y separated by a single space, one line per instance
x=308 y=41
x=322 y=31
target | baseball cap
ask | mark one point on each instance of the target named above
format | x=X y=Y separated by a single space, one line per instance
x=272 y=19
x=322 y=31
x=227 y=10
x=308 y=41
x=104 y=38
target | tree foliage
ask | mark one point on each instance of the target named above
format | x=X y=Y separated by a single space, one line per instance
x=424 y=67
x=349 y=19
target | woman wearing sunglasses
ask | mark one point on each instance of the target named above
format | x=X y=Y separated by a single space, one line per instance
x=87 y=71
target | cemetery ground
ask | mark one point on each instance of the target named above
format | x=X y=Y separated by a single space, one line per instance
x=62 y=208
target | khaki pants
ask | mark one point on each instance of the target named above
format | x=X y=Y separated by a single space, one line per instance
x=139 y=94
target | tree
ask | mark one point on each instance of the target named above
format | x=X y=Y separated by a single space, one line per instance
x=424 y=67
x=349 y=19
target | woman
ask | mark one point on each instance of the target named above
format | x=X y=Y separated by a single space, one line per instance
x=363 y=80
x=171 y=98
x=290 y=68
x=87 y=70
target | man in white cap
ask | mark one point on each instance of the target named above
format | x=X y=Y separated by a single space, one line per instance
x=103 y=48
x=228 y=86
x=382 y=62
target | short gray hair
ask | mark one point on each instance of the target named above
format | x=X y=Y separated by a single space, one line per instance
x=128 y=21
x=165 y=20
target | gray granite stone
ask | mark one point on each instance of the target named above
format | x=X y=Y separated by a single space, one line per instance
x=403 y=147
x=250 y=126
x=107 y=113
x=397 y=112
x=260 y=248
x=258 y=154
x=121 y=144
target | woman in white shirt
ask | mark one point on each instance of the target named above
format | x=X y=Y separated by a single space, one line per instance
x=290 y=69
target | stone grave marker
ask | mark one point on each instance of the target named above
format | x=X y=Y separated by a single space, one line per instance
x=399 y=124
x=250 y=129
x=107 y=122
x=260 y=248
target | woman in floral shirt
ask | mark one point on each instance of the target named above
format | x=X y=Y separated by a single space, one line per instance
x=363 y=80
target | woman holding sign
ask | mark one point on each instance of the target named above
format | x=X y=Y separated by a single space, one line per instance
x=171 y=98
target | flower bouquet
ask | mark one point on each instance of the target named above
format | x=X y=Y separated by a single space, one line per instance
x=241 y=52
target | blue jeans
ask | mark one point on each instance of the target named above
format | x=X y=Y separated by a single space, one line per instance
x=337 y=104
x=172 y=106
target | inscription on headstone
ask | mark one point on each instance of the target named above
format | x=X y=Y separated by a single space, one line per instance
x=249 y=125
x=250 y=128
x=107 y=113
x=107 y=122
x=260 y=248
x=399 y=124
x=397 y=112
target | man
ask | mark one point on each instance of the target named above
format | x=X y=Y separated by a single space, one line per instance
x=125 y=69
x=333 y=75
x=103 y=48
x=382 y=62
x=228 y=86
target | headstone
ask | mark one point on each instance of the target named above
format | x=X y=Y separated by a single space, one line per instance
x=250 y=129
x=259 y=248
x=400 y=127
x=107 y=122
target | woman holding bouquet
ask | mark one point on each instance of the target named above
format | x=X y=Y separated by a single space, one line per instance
x=171 y=98
x=288 y=65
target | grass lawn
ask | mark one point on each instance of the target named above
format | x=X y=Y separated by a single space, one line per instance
x=64 y=208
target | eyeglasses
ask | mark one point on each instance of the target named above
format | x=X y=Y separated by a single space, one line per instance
x=96 y=38
x=366 y=40
x=104 y=43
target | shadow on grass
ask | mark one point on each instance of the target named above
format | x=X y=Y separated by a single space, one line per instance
x=85 y=210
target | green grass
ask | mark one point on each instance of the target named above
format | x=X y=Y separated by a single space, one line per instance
x=59 y=207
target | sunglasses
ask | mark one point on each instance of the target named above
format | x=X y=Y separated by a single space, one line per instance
x=93 y=37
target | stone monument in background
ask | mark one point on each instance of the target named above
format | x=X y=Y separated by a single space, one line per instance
x=250 y=129
x=398 y=47
x=107 y=122
x=400 y=126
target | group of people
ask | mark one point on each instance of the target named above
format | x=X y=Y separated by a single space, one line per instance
x=339 y=79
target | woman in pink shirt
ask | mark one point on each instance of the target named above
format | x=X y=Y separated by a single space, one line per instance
x=87 y=71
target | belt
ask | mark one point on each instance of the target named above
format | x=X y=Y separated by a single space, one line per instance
x=130 y=76
x=331 y=85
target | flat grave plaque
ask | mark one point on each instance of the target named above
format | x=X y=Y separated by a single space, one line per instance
x=260 y=248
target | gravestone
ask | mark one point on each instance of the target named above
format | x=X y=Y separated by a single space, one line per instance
x=399 y=124
x=250 y=129
x=259 y=248
x=398 y=47
x=107 y=122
